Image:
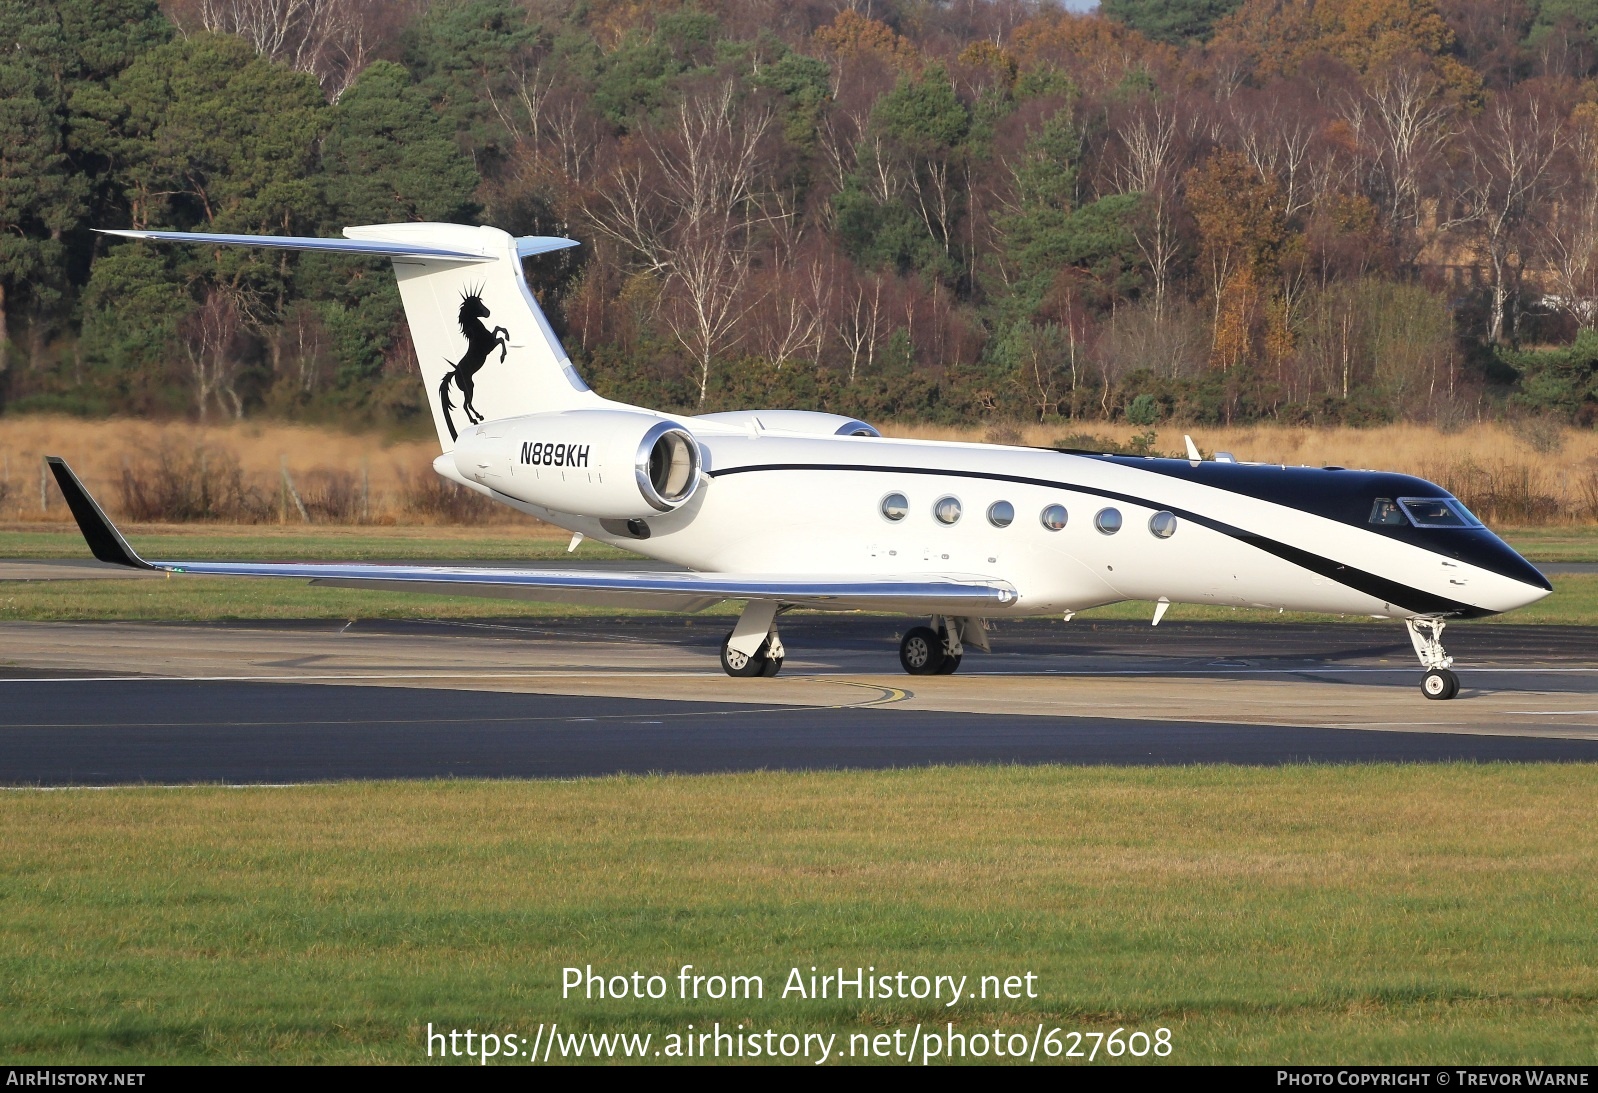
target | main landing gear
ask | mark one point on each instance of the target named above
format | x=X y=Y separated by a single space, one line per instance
x=1426 y=634
x=936 y=650
x=754 y=648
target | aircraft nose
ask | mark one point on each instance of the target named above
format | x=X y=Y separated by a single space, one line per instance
x=1526 y=573
x=1530 y=584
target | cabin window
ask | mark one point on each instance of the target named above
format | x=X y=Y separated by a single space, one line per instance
x=1386 y=513
x=947 y=510
x=1001 y=514
x=1162 y=525
x=1108 y=521
x=1054 y=517
x=1438 y=512
x=894 y=507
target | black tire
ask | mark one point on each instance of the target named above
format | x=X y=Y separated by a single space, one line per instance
x=921 y=651
x=949 y=666
x=739 y=666
x=773 y=665
x=1439 y=684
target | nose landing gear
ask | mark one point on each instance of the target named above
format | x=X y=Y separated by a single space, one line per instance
x=1426 y=635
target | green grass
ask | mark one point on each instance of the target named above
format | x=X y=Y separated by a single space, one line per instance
x=1574 y=602
x=494 y=542
x=205 y=599
x=1554 y=544
x=211 y=599
x=226 y=542
x=1381 y=914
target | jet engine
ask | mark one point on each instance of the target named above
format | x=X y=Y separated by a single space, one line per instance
x=610 y=464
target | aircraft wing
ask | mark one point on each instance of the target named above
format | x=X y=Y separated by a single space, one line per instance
x=951 y=594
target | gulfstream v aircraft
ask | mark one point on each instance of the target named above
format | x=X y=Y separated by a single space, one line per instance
x=785 y=509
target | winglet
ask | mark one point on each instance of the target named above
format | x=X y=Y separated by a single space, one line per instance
x=1192 y=449
x=98 y=531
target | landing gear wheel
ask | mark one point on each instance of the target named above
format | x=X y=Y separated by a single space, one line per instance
x=949 y=665
x=772 y=665
x=737 y=664
x=1440 y=683
x=921 y=651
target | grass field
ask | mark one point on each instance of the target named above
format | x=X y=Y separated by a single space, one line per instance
x=495 y=542
x=293 y=542
x=1364 y=913
x=1573 y=603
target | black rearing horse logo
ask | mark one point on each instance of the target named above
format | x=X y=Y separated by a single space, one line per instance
x=480 y=342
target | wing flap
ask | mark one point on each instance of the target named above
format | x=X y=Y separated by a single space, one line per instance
x=945 y=593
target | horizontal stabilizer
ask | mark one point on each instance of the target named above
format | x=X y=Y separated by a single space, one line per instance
x=377 y=248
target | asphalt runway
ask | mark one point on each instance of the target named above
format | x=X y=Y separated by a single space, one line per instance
x=131 y=703
x=171 y=732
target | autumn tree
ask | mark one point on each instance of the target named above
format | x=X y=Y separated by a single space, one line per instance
x=1279 y=36
x=1241 y=232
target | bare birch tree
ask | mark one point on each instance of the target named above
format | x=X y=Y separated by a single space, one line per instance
x=1149 y=138
x=327 y=38
x=207 y=336
x=1510 y=153
x=1567 y=242
x=1409 y=121
x=689 y=208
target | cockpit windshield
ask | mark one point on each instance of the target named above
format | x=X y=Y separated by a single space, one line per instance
x=1385 y=511
x=1423 y=512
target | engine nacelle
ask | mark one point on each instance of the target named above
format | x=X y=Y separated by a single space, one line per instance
x=610 y=464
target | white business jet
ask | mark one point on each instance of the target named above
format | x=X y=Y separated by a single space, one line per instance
x=785 y=509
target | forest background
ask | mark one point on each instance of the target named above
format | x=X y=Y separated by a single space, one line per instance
x=974 y=212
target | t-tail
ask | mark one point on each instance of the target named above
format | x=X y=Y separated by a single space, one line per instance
x=484 y=346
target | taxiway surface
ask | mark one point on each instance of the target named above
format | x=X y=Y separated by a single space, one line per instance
x=109 y=703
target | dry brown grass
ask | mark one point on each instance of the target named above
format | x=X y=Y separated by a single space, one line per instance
x=159 y=472
x=1527 y=473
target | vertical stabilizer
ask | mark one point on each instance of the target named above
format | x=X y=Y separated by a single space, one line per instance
x=485 y=349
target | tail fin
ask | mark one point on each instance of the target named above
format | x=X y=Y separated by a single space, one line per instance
x=473 y=319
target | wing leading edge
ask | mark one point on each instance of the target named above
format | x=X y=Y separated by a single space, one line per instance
x=936 y=593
